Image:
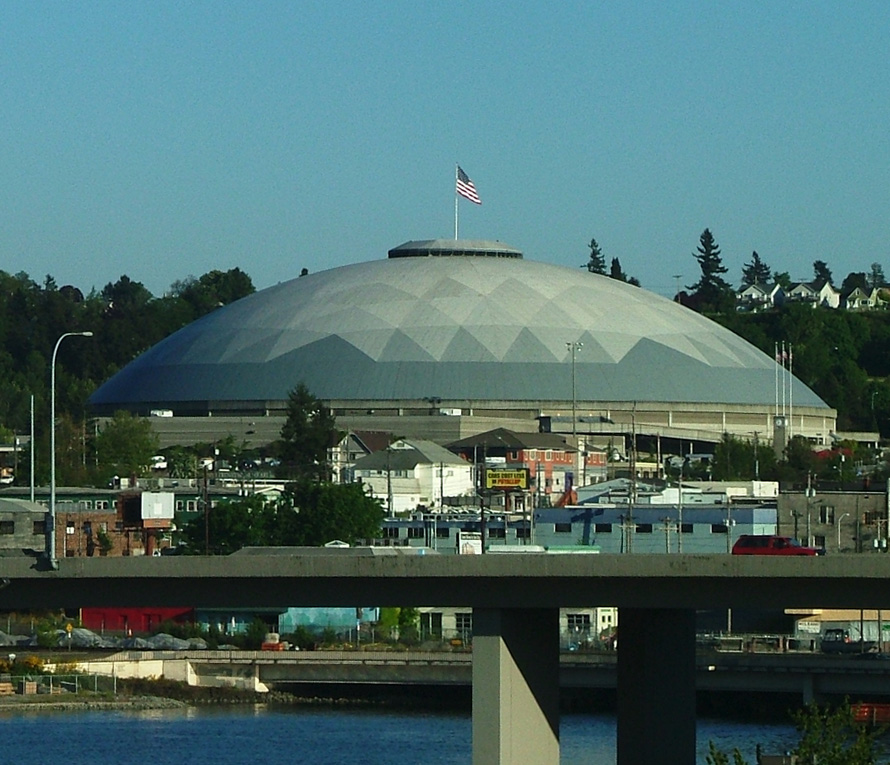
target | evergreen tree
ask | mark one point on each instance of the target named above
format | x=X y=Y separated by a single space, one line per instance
x=615 y=271
x=853 y=280
x=755 y=272
x=309 y=430
x=711 y=292
x=597 y=263
x=876 y=276
x=783 y=279
x=821 y=271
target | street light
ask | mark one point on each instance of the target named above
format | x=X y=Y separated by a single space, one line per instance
x=839 y=530
x=51 y=531
x=574 y=346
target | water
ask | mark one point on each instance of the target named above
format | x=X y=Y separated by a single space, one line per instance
x=269 y=736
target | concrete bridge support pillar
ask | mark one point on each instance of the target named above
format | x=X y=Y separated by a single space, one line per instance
x=656 y=686
x=515 y=686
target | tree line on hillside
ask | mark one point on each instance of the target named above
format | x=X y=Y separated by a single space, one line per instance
x=125 y=319
x=712 y=293
x=843 y=356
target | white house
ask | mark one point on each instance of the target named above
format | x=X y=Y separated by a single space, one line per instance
x=755 y=297
x=818 y=293
x=409 y=473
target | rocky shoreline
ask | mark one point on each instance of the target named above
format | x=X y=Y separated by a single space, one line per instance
x=80 y=702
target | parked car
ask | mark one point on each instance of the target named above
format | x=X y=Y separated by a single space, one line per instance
x=838 y=641
x=769 y=544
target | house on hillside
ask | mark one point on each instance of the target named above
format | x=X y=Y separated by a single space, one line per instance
x=818 y=293
x=758 y=297
x=863 y=298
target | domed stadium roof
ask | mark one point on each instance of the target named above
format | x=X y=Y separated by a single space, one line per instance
x=454 y=320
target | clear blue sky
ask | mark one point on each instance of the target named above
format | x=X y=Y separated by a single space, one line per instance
x=162 y=139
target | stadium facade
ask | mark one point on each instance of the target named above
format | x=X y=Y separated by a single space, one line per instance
x=447 y=338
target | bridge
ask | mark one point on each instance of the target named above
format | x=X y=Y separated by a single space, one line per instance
x=515 y=601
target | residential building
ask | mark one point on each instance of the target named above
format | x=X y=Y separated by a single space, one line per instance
x=758 y=297
x=818 y=293
x=410 y=474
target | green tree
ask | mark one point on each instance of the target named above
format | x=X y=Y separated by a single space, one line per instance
x=308 y=515
x=737 y=459
x=876 y=276
x=783 y=279
x=711 y=292
x=755 y=272
x=321 y=512
x=596 y=264
x=853 y=280
x=831 y=736
x=821 y=271
x=232 y=525
x=409 y=625
x=308 y=432
x=125 y=445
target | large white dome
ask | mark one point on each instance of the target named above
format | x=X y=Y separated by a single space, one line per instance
x=459 y=321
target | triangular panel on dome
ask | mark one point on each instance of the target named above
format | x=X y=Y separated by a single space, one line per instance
x=290 y=339
x=719 y=354
x=432 y=338
x=449 y=288
x=466 y=347
x=681 y=344
x=250 y=346
x=528 y=348
x=211 y=348
x=402 y=348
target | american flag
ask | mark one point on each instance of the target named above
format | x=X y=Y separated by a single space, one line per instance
x=466 y=188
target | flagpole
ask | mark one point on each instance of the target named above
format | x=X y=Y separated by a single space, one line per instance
x=455 y=202
x=790 y=391
x=784 y=356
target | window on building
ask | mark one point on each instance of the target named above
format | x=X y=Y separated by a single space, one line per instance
x=819 y=541
x=39 y=528
x=531 y=454
x=602 y=528
x=578 y=622
x=685 y=528
x=431 y=625
x=101 y=504
x=719 y=528
x=523 y=532
x=390 y=532
x=562 y=528
x=871 y=517
x=7 y=527
x=548 y=456
x=443 y=532
x=496 y=532
x=69 y=527
x=415 y=532
x=180 y=505
x=826 y=514
x=644 y=528
x=191 y=505
x=463 y=623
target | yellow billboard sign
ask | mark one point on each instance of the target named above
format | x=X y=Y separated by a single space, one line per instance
x=505 y=480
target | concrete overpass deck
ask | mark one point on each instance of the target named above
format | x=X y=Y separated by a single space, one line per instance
x=515 y=601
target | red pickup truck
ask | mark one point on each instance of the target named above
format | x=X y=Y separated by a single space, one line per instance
x=769 y=544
